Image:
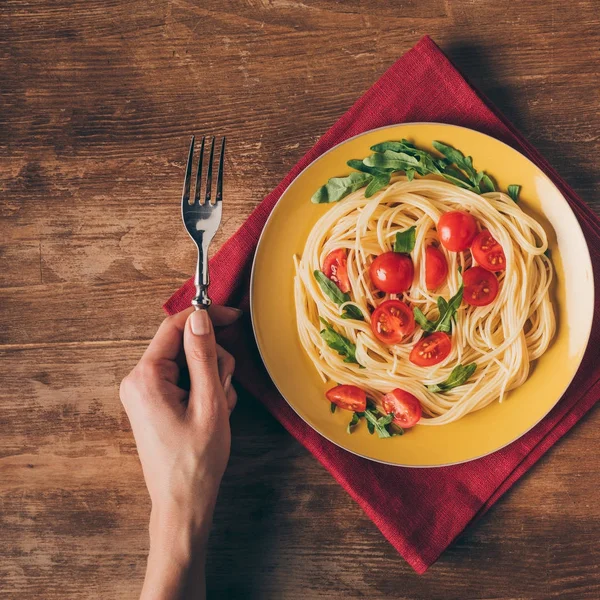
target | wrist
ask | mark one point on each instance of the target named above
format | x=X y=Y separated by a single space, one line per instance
x=177 y=554
x=181 y=533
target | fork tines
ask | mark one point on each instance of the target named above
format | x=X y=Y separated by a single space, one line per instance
x=209 y=174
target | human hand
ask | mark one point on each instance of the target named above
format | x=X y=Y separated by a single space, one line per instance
x=183 y=440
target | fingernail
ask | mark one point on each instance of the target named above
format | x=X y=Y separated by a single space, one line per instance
x=234 y=311
x=227 y=384
x=200 y=322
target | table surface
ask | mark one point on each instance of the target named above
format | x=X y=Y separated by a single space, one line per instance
x=97 y=100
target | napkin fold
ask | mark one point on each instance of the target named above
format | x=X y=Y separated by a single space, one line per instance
x=420 y=511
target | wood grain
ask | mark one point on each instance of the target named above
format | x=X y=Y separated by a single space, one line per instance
x=96 y=102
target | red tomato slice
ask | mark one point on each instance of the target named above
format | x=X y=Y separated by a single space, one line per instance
x=481 y=286
x=348 y=397
x=436 y=267
x=392 y=272
x=457 y=230
x=405 y=407
x=392 y=321
x=488 y=252
x=335 y=266
x=431 y=350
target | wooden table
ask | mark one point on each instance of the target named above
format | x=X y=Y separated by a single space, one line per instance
x=97 y=100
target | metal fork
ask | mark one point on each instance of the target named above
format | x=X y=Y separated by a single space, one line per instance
x=202 y=219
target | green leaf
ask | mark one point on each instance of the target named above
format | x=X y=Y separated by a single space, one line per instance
x=548 y=253
x=359 y=165
x=457 y=158
x=378 y=424
x=444 y=322
x=403 y=146
x=386 y=420
x=339 y=187
x=423 y=321
x=513 y=192
x=405 y=240
x=370 y=427
x=410 y=174
x=332 y=407
x=336 y=341
x=379 y=181
x=457 y=377
x=352 y=312
x=447 y=310
x=353 y=422
x=457 y=182
x=330 y=289
x=391 y=162
x=442 y=304
x=486 y=184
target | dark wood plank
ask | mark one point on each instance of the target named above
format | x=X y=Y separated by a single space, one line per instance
x=96 y=102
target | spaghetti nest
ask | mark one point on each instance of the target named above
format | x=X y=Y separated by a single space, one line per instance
x=501 y=339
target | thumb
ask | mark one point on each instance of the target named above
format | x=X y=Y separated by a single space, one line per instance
x=201 y=356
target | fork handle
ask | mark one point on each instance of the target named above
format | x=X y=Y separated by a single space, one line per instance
x=202 y=279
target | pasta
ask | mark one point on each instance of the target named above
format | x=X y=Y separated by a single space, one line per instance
x=501 y=338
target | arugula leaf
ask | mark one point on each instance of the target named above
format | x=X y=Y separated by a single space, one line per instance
x=442 y=304
x=339 y=187
x=485 y=184
x=423 y=321
x=385 y=420
x=352 y=312
x=331 y=290
x=333 y=407
x=457 y=377
x=359 y=165
x=457 y=182
x=513 y=192
x=353 y=422
x=336 y=341
x=447 y=311
x=379 y=424
x=392 y=161
x=392 y=156
x=405 y=240
x=403 y=146
x=548 y=253
x=444 y=323
x=458 y=158
x=379 y=181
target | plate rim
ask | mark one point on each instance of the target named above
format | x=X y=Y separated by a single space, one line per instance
x=588 y=265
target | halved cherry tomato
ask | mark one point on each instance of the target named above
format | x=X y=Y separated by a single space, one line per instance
x=436 y=267
x=481 y=286
x=488 y=252
x=348 y=397
x=457 y=230
x=335 y=266
x=392 y=321
x=405 y=407
x=431 y=350
x=392 y=272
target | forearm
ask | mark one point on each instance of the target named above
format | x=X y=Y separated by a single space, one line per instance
x=176 y=561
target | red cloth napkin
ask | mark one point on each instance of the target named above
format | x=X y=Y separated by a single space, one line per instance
x=420 y=511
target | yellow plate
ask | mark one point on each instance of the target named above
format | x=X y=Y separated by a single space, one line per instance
x=479 y=433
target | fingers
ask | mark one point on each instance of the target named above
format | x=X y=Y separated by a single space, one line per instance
x=168 y=340
x=226 y=364
x=201 y=357
x=166 y=343
x=223 y=315
x=231 y=399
